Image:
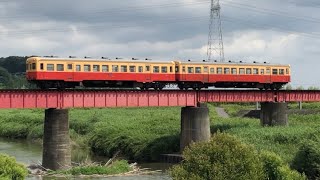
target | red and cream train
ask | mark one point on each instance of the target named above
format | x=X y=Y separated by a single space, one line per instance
x=51 y=72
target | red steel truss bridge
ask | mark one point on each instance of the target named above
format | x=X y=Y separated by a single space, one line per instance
x=80 y=98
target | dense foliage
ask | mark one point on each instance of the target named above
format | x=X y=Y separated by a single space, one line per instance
x=307 y=159
x=276 y=169
x=10 y=169
x=224 y=157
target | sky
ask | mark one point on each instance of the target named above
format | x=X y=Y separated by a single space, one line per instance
x=282 y=32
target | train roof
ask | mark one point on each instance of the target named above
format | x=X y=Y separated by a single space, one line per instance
x=159 y=62
x=234 y=63
x=103 y=60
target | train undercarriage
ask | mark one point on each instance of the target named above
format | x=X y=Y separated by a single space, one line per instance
x=155 y=85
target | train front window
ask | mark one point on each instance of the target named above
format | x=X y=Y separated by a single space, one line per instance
x=275 y=71
x=190 y=70
x=198 y=70
x=124 y=68
x=50 y=67
x=87 y=68
x=115 y=68
x=164 y=69
x=78 y=67
x=105 y=68
x=132 y=68
x=34 y=66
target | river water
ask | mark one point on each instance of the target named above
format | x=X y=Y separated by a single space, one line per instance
x=31 y=153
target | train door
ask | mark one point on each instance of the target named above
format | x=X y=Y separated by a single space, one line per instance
x=148 y=73
x=205 y=74
x=70 y=71
x=183 y=73
x=268 y=75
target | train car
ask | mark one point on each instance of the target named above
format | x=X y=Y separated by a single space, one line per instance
x=51 y=72
x=236 y=75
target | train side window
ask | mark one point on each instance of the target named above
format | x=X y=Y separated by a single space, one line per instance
x=281 y=71
x=60 y=67
x=41 y=66
x=262 y=71
x=205 y=69
x=255 y=71
x=50 y=67
x=164 y=69
x=115 y=68
x=87 y=67
x=78 y=67
x=140 y=68
x=287 y=71
x=147 y=68
x=96 y=68
x=69 y=66
x=248 y=71
x=212 y=70
x=219 y=70
x=241 y=71
x=124 y=68
x=105 y=68
x=184 y=69
x=198 y=70
x=226 y=70
x=190 y=70
x=156 y=69
x=171 y=69
x=233 y=70
x=275 y=71
x=132 y=68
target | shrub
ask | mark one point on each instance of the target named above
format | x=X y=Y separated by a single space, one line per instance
x=307 y=159
x=10 y=169
x=224 y=157
x=276 y=169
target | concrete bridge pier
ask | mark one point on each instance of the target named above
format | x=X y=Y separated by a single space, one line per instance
x=195 y=125
x=56 y=141
x=274 y=114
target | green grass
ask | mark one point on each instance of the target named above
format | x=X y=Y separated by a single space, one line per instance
x=143 y=134
x=118 y=167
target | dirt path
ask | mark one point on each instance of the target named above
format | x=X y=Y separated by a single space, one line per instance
x=222 y=113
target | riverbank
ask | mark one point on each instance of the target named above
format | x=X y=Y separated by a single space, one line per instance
x=142 y=134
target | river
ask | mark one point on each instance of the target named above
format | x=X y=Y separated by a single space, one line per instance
x=31 y=153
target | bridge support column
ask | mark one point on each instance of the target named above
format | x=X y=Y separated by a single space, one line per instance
x=274 y=114
x=195 y=125
x=56 y=141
